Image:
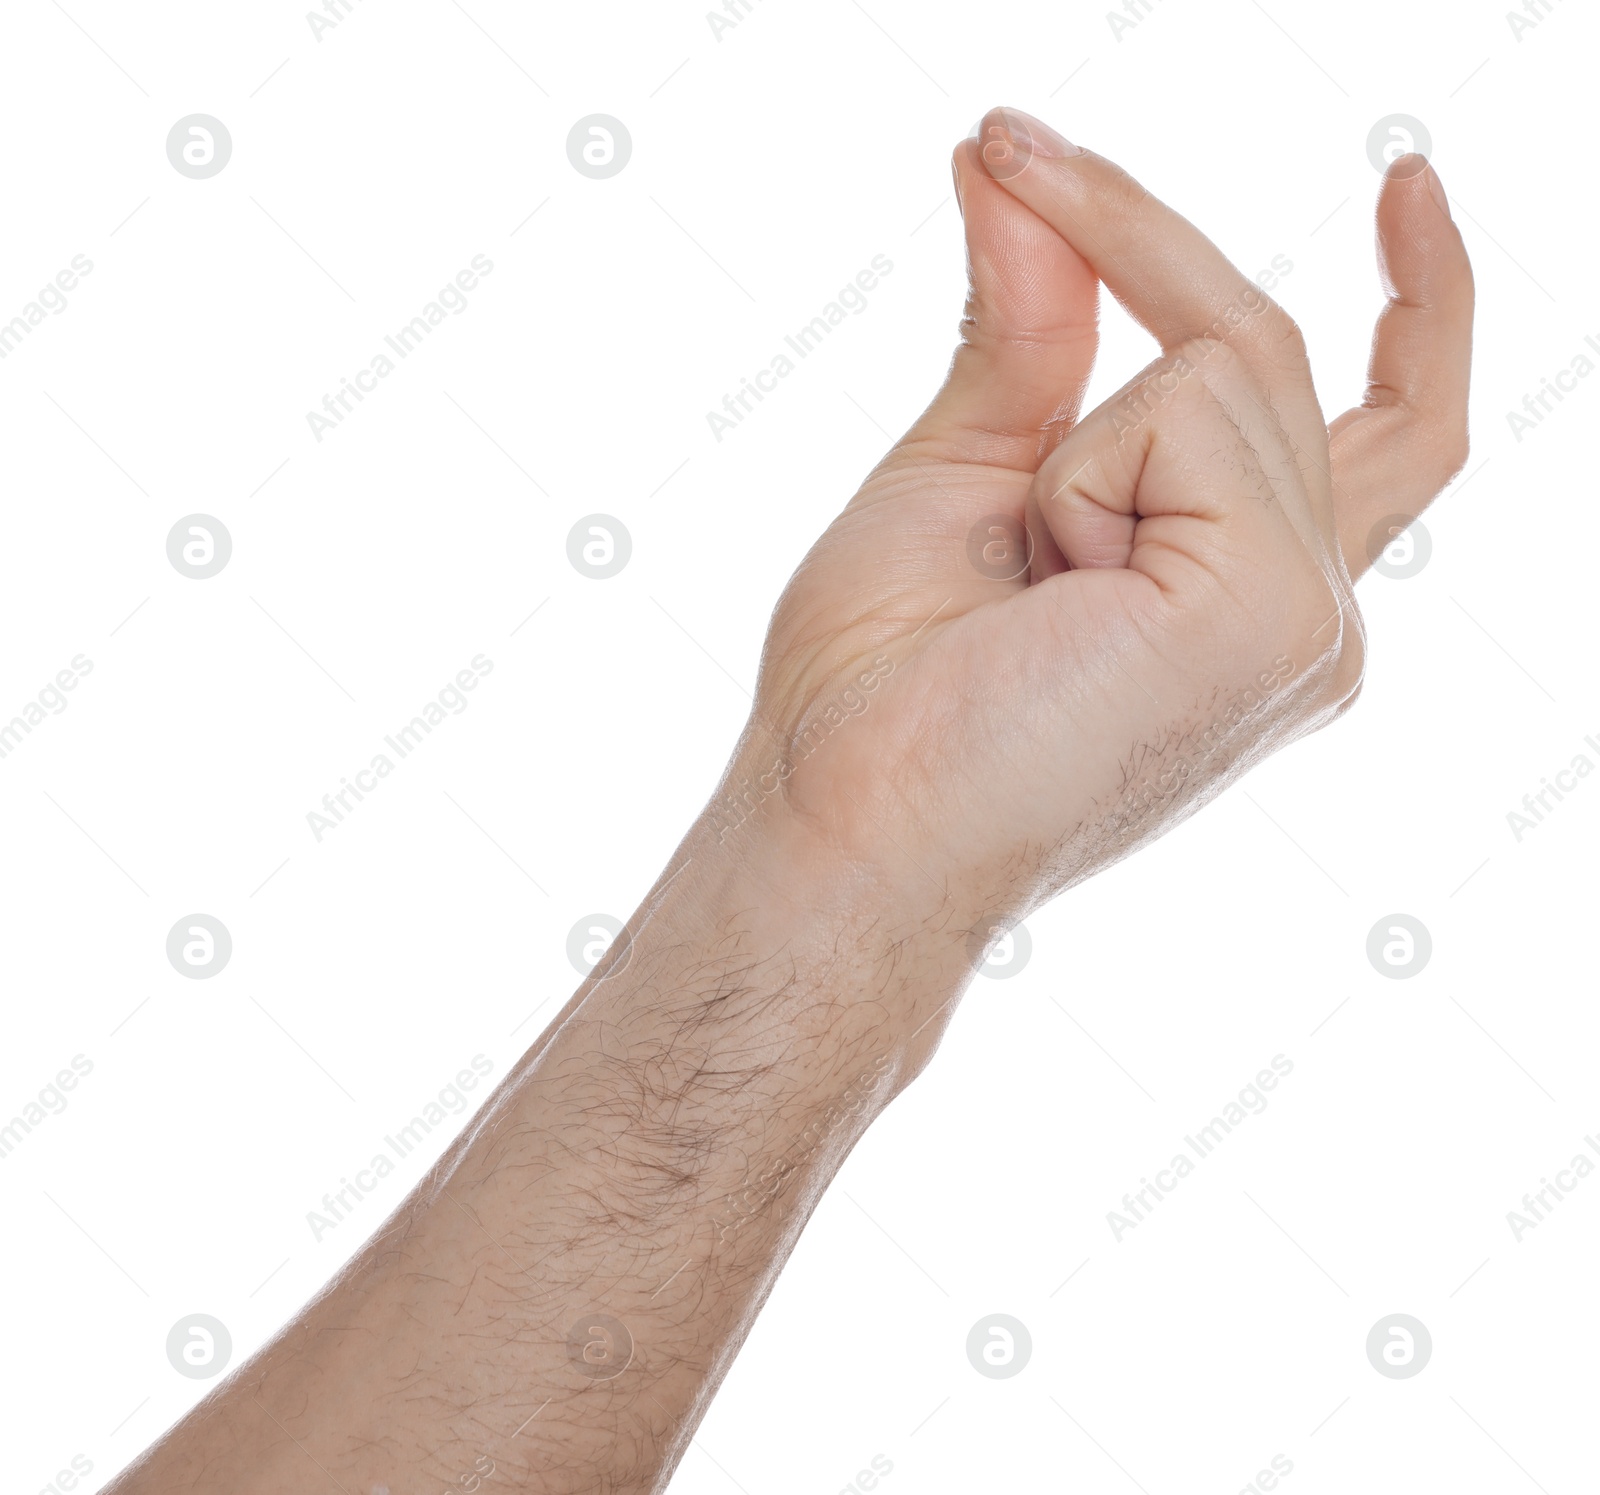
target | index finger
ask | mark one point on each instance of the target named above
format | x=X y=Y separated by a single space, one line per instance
x=1168 y=274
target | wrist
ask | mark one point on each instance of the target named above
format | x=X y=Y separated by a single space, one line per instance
x=768 y=941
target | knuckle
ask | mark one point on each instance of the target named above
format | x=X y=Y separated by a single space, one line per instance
x=1283 y=335
x=1126 y=199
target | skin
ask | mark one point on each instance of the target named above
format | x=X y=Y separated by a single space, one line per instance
x=554 y=1306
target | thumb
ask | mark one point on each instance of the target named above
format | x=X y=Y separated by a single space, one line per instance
x=1028 y=334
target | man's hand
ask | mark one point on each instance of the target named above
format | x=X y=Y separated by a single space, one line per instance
x=1032 y=642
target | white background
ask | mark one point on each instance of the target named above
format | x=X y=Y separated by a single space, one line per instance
x=768 y=167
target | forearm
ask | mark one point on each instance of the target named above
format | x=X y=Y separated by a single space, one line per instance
x=647 y=1165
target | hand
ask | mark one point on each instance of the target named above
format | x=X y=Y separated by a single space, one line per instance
x=1032 y=642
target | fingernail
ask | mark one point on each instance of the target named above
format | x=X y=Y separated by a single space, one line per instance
x=1008 y=139
x=1026 y=130
x=1436 y=187
x=1412 y=165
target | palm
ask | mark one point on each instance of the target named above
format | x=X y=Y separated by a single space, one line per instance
x=968 y=734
